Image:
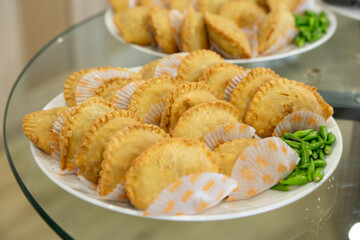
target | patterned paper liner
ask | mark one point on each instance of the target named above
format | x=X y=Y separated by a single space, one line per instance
x=261 y=166
x=300 y=120
x=123 y=96
x=191 y=194
x=307 y=4
x=227 y=132
x=155 y=112
x=91 y=81
x=176 y=20
x=169 y=64
x=282 y=41
x=118 y=194
x=55 y=145
x=231 y=85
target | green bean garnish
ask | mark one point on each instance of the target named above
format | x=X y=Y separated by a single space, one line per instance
x=281 y=187
x=327 y=149
x=303 y=133
x=311 y=136
x=323 y=132
x=318 y=174
x=320 y=163
x=296 y=180
x=330 y=139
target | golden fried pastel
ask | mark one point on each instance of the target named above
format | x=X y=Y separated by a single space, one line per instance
x=246 y=89
x=291 y=5
x=90 y=154
x=37 y=126
x=193 y=65
x=76 y=123
x=121 y=151
x=227 y=36
x=147 y=71
x=181 y=99
x=219 y=75
x=227 y=153
x=180 y=5
x=119 y=5
x=133 y=25
x=149 y=93
x=277 y=98
x=193 y=33
x=211 y=6
x=202 y=118
x=243 y=13
x=159 y=21
x=163 y=163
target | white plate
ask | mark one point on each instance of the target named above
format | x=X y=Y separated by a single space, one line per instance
x=264 y=202
x=287 y=51
x=347 y=11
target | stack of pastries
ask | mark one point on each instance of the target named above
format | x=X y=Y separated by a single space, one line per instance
x=226 y=26
x=109 y=146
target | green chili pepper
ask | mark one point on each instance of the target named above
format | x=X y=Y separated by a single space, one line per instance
x=327 y=149
x=296 y=180
x=298 y=151
x=305 y=166
x=311 y=136
x=321 y=155
x=292 y=144
x=323 y=132
x=313 y=141
x=318 y=174
x=303 y=133
x=304 y=154
x=281 y=187
x=330 y=139
x=299 y=41
x=310 y=13
x=316 y=37
x=320 y=163
x=310 y=171
x=290 y=136
x=315 y=155
x=313 y=146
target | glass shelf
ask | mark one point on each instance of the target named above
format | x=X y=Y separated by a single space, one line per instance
x=327 y=213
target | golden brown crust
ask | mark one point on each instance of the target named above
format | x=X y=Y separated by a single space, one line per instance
x=37 y=126
x=89 y=156
x=180 y=5
x=219 y=75
x=149 y=93
x=187 y=95
x=291 y=5
x=76 y=122
x=193 y=33
x=277 y=98
x=122 y=149
x=159 y=21
x=163 y=163
x=192 y=66
x=246 y=89
x=119 y=5
x=133 y=25
x=211 y=6
x=202 y=118
x=227 y=36
x=148 y=70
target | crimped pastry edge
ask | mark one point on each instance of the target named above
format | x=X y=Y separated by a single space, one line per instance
x=116 y=80
x=216 y=68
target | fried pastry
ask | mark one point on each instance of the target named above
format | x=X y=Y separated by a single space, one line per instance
x=122 y=149
x=90 y=154
x=193 y=65
x=163 y=163
x=279 y=97
x=243 y=13
x=219 y=75
x=227 y=153
x=291 y=5
x=246 y=89
x=180 y=5
x=211 y=6
x=193 y=34
x=181 y=99
x=76 y=123
x=148 y=70
x=119 y=5
x=229 y=39
x=37 y=126
x=133 y=25
x=149 y=93
x=202 y=118
x=275 y=25
x=159 y=21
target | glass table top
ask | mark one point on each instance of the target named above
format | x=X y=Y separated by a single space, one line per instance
x=327 y=213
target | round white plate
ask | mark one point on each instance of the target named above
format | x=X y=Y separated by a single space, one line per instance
x=347 y=11
x=287 y=51
x=264 y=202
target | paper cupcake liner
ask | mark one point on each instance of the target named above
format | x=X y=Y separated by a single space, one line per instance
x=118 y=194
x=191 y=194
x=252 y=33
x=123 y=96
x=169 y=64
x=86 y=182
x=231 y=85
x=176 y=20
x=261 y=166
x=282 y=41
x=55 y=145
x=227 y=132
x=162 y=3
x=155 y=112
x=300 y=120
x=91 y=81
x=306 y=4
